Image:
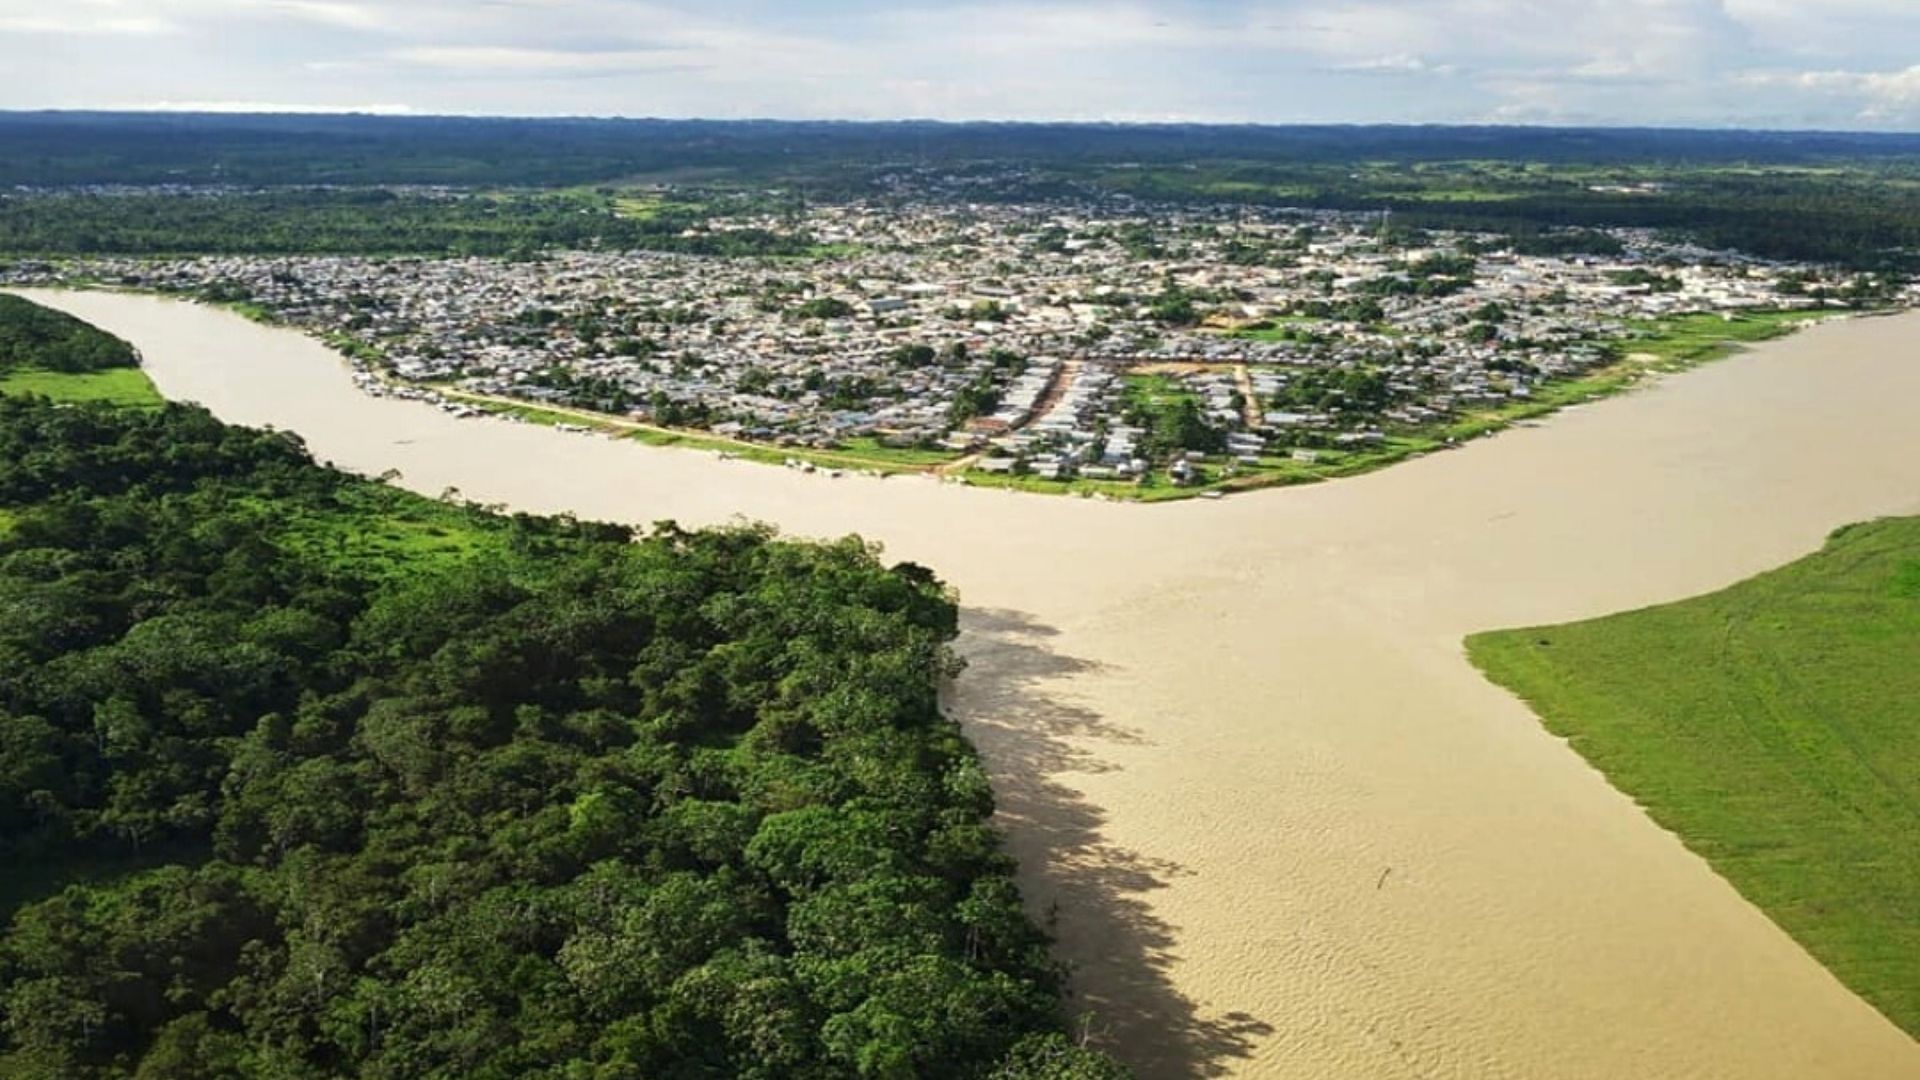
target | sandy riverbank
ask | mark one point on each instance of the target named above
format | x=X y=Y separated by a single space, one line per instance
x=1289 y=832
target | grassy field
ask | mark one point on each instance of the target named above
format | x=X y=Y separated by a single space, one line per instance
x=644 y=207
x=374 y=527
x=381 y=531
x=1775 y=727
x=1156 y=392
x=1113 y=489
x=119 y=386
x=1686 y=340
x=1282 y=329
x=904 y=456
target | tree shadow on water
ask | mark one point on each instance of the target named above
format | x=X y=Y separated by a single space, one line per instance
x=1015 y=703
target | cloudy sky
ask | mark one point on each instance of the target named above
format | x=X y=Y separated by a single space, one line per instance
x=1758 y=63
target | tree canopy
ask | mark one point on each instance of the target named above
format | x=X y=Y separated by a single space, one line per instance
x=32 y=336
x=376 y=221
x=302 y=776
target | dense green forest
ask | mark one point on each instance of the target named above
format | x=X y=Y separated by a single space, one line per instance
x=363 y=221
x=1823 y=197
x=65 y=148
x=1867 y=219
x=1865 y=215
x=303 y=776
x=38 y=338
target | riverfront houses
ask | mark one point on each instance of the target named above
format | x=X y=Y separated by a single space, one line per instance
x=1054 y=341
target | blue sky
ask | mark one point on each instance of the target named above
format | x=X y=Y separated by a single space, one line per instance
x=1759 y=63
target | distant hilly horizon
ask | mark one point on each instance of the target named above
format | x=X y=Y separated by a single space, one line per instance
x=409 y=116
x=56 y=148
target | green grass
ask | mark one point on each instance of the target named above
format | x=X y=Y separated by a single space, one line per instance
x=118 y=386
x=1468 y=195
x=1685 y=340
x=1775 y=727
x=880 y=460
x=839 y=249
x=1113 y=489
x=1546 y=399
x=648 y=207
x=910 y=456
x=382 y=531
x=1156 y=392
x=1282 y=329
x=354 y=348
x=532 y=414
x=373 y=527
x=250 y=310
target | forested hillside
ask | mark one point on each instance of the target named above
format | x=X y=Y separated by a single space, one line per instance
x=302 y=776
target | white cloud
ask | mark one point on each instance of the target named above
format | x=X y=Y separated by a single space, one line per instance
x=79 y=23
x=509 y=60
x=355 y=16
x=271 y=107
x=1397 y=64
x=1879 y=95
x=1616 y=61
x=130 y=17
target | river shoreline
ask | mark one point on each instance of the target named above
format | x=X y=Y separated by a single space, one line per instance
x=1632 y=371
x=1287 y=830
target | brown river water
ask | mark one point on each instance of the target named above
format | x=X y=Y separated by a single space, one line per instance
x=1283 y=828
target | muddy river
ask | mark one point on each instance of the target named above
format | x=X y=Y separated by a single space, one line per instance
x=1283 y=828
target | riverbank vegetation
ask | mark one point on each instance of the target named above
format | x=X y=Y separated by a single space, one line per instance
x=362 y=221
x=304 y=776
x=36 y=337
x=48 y=352
x=1774 y=727
x=1683 y=341
x=863 y=454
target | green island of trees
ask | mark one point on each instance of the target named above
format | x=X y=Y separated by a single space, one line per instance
x=1775 y=727
x=305 y=776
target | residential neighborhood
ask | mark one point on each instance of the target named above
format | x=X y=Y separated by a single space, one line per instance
x=1049 y=342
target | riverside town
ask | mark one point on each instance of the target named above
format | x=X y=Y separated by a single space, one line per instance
x=1124 y=350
